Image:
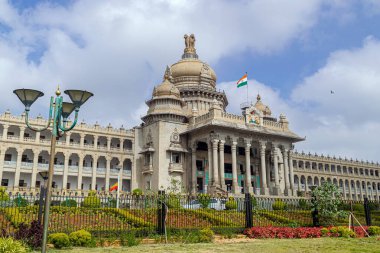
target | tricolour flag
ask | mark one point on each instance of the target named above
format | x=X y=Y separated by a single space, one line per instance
x=114 y=187
x=243 y=81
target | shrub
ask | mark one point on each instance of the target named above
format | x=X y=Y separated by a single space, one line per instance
x=31 y=235
x=374 y=230
x=129 y=239
x=204 y=199
x=206 y=235
x=231 y=204
x=283 y=232
x=358 y=208
x=279 y=205
x=8 y=245
x=129 y=218
x=81 y=238
x=277 y=218
x=303 y=204
x=14 y=215
x=341 y=232
x=373 y=206
x=91 y=201
x=69 y=203
x=211 y=217
x=173 y=201
x=137 y=191
x=20 y=202
x=59 y=240
x=3 y=194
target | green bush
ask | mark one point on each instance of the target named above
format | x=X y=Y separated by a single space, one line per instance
x=303 y=204
x=342 y=231
x=91 y=201
x=69 y=203
x=231 y=204
x=374 y=230
x=14 y=215
x=373 y=206
x=279 y=205
x=128 y=217
x=211 y=217
x=3 y=194
x=129 y=239
x=9 y=245
x=358 y=208
x=325 y=231
x=137 y=191
x=173 y=201
x=20 y=202
x=206 y=235
x=81 y=238
x=59 y=240
x=204 y=199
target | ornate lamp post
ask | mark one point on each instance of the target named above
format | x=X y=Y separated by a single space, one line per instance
x=59 y=111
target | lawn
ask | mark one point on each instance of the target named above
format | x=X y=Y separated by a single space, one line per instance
x=320 y=245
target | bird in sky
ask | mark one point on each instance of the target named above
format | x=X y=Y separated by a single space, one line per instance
x=332 y=92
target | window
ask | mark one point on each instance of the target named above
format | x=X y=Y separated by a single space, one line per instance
x=8 y=157
x=21 y=183
x=199 y=165
x=38 y=184
x=176 y=157
x=4 y=182
x=68 y=186
x=147 y=159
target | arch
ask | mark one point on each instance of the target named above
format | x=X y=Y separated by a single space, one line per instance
x=88 y=161
x=11 y=155
x=74 y=159
x=115 y=162
x=59 y=158
x=127 y=164
x=326 y=167
x=344 y=169
x=329 y=180
x=115 y=143
x=366 y=172
x=101 y=162
x=27 y=156
x=13 y=132
x=335 y=181
x=356 y=172
x=43 y=157
x=309 y=182
x=127 y=144
x=320 y=166
x=316 y=181
x=89 y=140
x=339 y=169
x=322 y=180
x=296 y=180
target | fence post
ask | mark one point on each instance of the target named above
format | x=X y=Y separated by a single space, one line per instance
x=367 y=212
x=248 y=211
x=161 y=213
x=41 y=203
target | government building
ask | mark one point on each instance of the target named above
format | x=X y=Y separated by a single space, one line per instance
x=186 y=137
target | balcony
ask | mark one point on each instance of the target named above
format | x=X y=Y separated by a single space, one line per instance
x=127 y=173
x=175 y=167
x=29 y=139
x=10 y=164
x=87 y=170
x=102 y=147
x=59 y=167
x=74 y=169
x=12 y=137
x=75 y=144
x=147 y=169
x=114 y=171
x=100 y=170
x=45 y=140
x=88 y=146
x=26 y=165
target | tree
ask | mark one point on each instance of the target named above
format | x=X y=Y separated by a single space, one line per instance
x=326 y=199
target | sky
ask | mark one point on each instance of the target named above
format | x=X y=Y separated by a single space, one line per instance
x=315 y=61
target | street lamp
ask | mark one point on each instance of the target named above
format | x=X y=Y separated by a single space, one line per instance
x=59 y=111
x=44 y=175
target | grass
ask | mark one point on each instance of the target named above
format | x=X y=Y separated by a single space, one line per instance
x=320 y=245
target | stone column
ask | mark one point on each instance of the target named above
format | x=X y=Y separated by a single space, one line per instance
x=2 y=156
x=210 y=174
x=366 y=189
x=94 y=166
x=121 y=144
x=221 y=164
x=108 y=143
x=108 y=167
x=65 y=170
x=35 y=168
x=18 y=167
x=276 y=176
x=80 y=172
x=68 y=139
x=82 y=140
x=248 y=185
x=194 y=168
x=268 y=170
x=291 y=175
x=361 y=190
x=263 y=176
x=306 y=185
x=5 y=132
x=349 y=190
x=377 y=192
x=355 y=191
x=215 y=162
x=285 y=153
x=344 y=190
x=38 y=134
x=22 y=132
x=299 y=183
x=95 y=142
x=235 y=185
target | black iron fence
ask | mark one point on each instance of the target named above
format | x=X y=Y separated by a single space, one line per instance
x=157 y=213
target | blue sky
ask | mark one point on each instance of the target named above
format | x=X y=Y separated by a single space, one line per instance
x=294 y=51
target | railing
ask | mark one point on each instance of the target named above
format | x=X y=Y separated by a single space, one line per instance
x=29 y=139
x=12 y=137
x=127 y=173
x=11 y=164
x=100 y=170
x=87 y=169
x=26 y=165
x=114 y=171
x=73 y=168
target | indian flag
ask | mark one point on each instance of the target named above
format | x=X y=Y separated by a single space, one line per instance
x=243 y=81
x=114 y=187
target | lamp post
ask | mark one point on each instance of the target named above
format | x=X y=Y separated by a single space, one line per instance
x=59 y=111
x=44 y=175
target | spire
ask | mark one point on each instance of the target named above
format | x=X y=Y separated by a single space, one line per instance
x=258 y=97
x=168 y=74
x=190 y=51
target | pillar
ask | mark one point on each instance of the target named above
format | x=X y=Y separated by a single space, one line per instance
x=209 y=155
x=221 y=164
x=366 y=189
x=285 y=153
x=93 y=178
x=35 y=169
x=18 y=167
x=108 y=167
x=68 y=139
x=22 y=131
x=38 y=134
x=264 y=186
x=82 y=140
x=306 y=185
x=95 y=142
x=108 y=143
x=248 y=185
x=65 y=170
x=5 y=132
x=276 y=176
x=291 y=174
x=344 y=190
x=235 y=185
x=121 y=144
x=215 y=162
x=194 y=168
x=2 y=156
x=80 y=171
x=268 y=170
x=350 y=190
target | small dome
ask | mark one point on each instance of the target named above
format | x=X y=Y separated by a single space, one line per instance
x=166 y=88
x=264 y=108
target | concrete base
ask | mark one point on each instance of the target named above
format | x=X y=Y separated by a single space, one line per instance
x=265 y=191
x=277 y=191
x=236 y=189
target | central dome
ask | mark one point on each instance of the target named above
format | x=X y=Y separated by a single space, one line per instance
x=191 y=67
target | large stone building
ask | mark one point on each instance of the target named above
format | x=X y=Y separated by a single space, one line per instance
x=187 y=136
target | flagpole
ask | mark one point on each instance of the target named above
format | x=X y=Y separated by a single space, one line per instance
x=247 y=86
x=117 y=193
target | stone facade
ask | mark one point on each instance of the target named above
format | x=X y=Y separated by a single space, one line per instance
x=187 y=136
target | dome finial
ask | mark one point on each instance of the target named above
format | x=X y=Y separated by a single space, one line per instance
x=190 y=51
x=168 y=73
x=258 y=97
